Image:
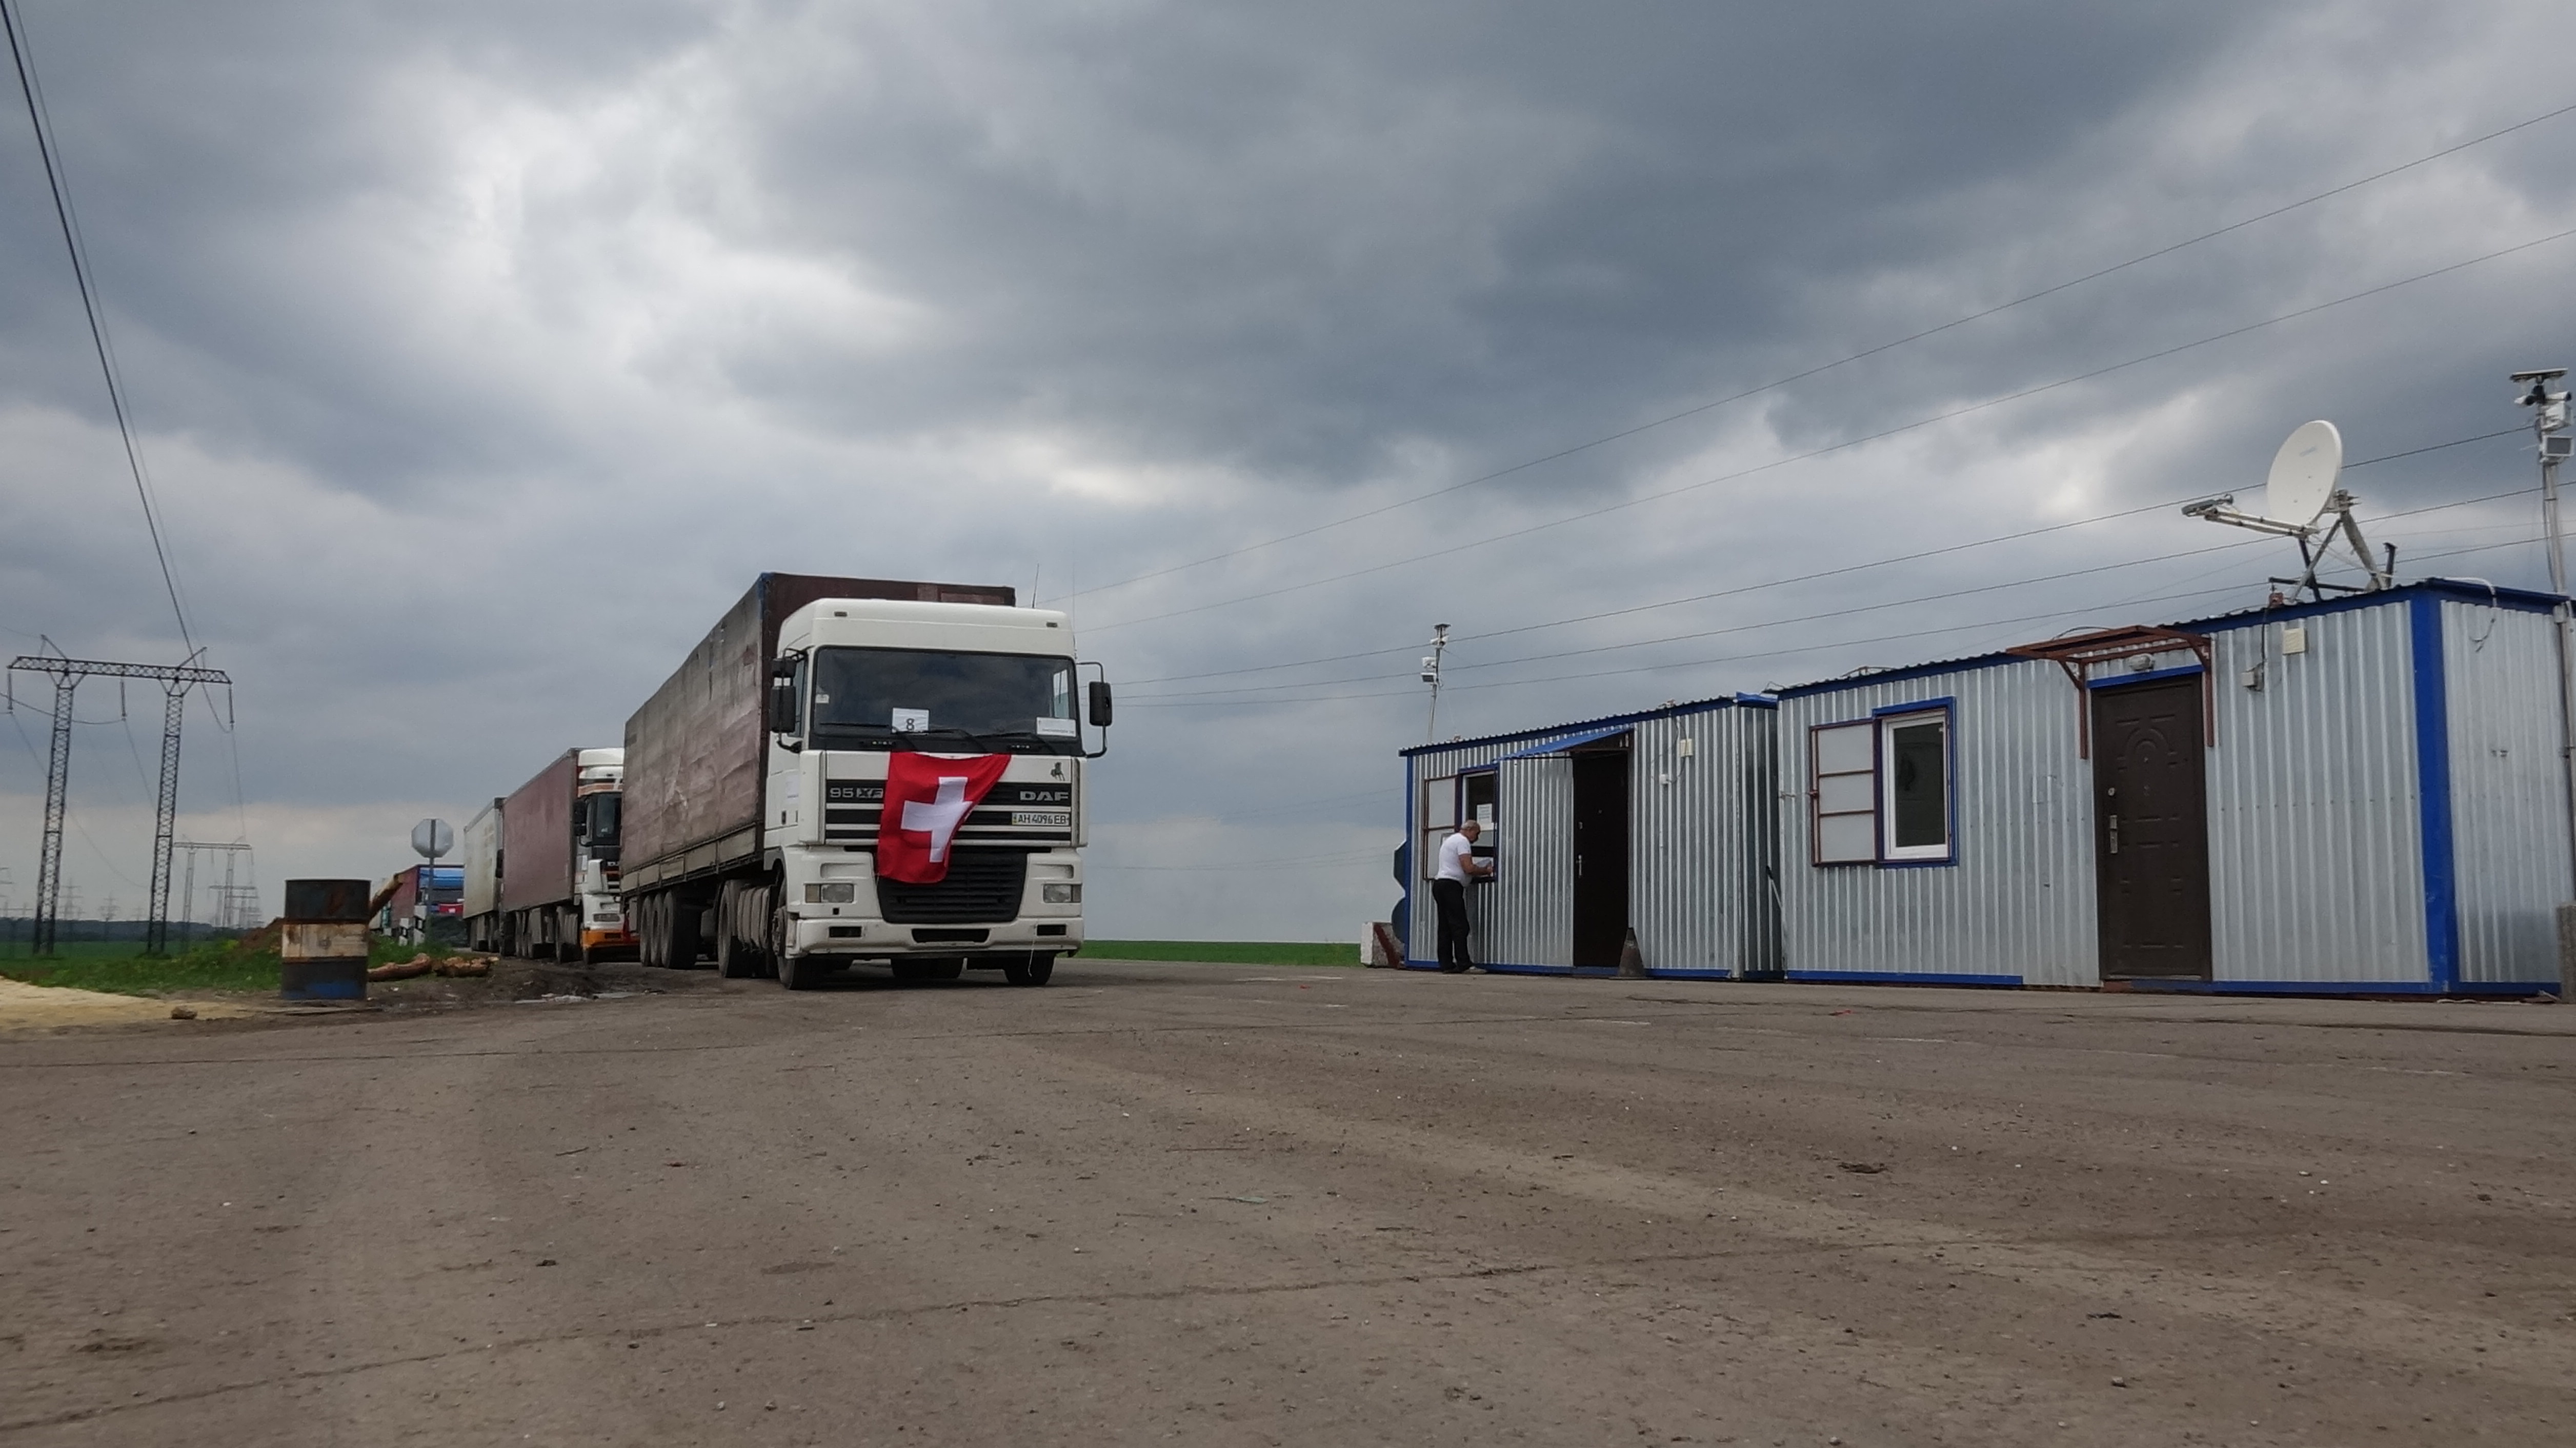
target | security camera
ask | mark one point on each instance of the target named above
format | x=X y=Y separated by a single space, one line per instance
x=2540 y=378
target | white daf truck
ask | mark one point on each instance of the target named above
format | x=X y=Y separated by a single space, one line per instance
x=756 y=776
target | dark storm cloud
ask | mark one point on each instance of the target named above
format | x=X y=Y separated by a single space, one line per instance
x=484 y=352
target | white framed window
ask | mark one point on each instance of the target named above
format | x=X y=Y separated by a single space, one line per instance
x=1438 y=817
x=1842 y=794
x=1914 y=787
x=1879 y=789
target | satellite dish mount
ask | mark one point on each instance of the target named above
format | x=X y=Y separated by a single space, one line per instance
x=2301 y=501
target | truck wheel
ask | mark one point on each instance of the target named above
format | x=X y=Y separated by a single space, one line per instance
x=648 y=932
x=768 y=921
x=733 y=953
x=799 y=972
x=1037 y=969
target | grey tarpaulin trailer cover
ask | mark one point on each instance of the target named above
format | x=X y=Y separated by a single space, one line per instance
x=1661 y=822
x=2359 y=796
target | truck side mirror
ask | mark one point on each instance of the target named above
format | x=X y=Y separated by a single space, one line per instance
x=1098 y=690
x=783 y=702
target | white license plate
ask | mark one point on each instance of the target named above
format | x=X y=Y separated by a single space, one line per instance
x=1039 y=819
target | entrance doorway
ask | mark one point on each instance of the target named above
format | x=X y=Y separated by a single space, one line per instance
x=1600 y=855
x=2151 y=831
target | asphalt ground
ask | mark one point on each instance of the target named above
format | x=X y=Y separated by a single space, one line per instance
x=1226 y=1204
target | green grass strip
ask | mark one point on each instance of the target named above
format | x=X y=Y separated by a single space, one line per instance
x=216 y=965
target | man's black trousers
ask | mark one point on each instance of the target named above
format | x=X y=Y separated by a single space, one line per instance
x=1451 y=897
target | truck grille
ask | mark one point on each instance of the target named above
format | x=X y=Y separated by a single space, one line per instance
x=983 y=887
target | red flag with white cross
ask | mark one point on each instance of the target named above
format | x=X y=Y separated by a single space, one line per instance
x=927 y=796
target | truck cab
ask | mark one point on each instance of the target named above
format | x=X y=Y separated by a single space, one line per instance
x=597 y=810
x=855 y=681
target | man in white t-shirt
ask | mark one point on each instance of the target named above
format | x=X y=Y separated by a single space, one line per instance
x=1458 y=865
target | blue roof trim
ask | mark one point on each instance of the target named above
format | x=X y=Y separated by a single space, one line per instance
x=1570 y=741
x=2151 y=676
x=1609 y=723
x=2456 y=590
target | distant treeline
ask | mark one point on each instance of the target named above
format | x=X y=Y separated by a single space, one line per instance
x=19 y=927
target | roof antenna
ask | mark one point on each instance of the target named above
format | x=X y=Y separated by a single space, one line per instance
x=2301 y=501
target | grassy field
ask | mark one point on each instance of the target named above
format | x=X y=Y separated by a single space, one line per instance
x=118 y=968
x=1226 y=952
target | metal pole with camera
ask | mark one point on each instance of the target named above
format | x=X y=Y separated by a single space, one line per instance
x=1431 y=676
x=2548 y=406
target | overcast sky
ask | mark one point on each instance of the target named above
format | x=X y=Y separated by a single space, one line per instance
x=480 y=354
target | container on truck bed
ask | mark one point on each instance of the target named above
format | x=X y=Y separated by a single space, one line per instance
x=750 y=772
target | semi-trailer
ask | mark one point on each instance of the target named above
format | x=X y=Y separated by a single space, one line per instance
x=541 y=873
x=758 y=776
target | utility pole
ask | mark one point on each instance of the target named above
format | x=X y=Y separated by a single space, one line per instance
x=66 y=674
x=2549 y=430
x=1431 y=676
x=222 y=892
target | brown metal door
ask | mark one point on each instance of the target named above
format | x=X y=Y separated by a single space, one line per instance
x=1600 y=856
x=2151 y=831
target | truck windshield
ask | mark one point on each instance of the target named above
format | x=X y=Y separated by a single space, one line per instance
x=597 y=820
x=944 y=702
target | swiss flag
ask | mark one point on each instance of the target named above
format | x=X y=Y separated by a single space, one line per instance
x=927 y=796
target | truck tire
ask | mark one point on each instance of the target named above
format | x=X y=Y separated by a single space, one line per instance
x=734 y=957
x=1035 y=969
x=568 y=936
x=647 y=939
x=800 y=972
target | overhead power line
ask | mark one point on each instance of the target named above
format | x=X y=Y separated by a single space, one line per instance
x=89 y=306
x=1849 y=443
x=1843 y=361
x=1823 y=573
x=1235 y=699
x=1843 y=571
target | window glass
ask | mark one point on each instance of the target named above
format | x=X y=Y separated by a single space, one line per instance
x=1841 y=794
x=1438 y=817
x=1917 y=783
x=937 y=700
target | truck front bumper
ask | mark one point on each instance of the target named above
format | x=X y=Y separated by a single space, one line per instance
x=876 y=937
x=833 y=909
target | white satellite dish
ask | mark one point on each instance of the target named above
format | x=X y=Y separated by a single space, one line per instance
x=2303 y=474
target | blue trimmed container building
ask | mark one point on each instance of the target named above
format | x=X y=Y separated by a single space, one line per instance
x=2359 y=796
x=1662 y=822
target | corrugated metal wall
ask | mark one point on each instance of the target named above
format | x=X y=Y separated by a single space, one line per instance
x=1423 y=924
x=1700 y=845
x=1704 y=838
x=2316 y=857
x=2509 y=800
x=1526 y=915
x=2019 y=900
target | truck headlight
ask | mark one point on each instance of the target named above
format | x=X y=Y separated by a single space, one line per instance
x=1060 y=894
x=831 y=892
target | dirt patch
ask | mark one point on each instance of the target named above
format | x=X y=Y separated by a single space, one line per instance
x=25 y=1007
x=528 y=980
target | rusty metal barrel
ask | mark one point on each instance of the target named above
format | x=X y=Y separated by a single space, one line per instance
x=325 y=946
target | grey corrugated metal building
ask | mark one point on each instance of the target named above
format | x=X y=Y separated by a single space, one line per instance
x=1661 y=822
x=2360 y=796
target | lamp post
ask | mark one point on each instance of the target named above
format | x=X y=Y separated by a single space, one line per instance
x=1431 y=676
x=2548 y=406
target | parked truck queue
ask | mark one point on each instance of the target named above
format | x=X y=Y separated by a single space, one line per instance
x=844 y=772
